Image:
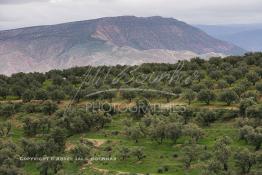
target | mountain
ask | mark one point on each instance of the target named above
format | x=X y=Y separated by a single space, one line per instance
x=250 y=40
x=247 y=36
x=110 y=40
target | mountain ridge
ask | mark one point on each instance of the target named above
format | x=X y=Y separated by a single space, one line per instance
x=88 y=41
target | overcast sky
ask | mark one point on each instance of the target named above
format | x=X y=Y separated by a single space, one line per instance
x=20 y=13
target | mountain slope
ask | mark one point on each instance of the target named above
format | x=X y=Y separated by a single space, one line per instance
x=158 y=33
x=85 y=42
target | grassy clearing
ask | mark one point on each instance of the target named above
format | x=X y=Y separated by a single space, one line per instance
x=157 y=155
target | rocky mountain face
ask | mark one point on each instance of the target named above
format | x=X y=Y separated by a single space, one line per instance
x=105 y=41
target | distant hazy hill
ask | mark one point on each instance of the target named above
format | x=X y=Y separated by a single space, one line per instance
x=250 y=40
x=247 y=36
x=112 y=40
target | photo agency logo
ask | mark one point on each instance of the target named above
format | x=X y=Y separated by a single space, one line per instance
x=136 y=84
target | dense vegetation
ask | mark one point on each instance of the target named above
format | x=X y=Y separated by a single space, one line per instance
x=215 y=127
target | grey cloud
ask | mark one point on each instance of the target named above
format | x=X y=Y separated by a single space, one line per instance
x=20 y=1
x=191 y=11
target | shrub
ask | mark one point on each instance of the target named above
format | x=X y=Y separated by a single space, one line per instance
x=160 y=170
x=166 y=168
x=175 y=155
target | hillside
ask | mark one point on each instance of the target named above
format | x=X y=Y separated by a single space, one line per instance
x=206 y=121
x=100 y=42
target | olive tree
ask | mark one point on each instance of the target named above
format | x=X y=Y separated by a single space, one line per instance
x=213 y=167
x=27 y=96
x=158 y=132
x=228 y=96
x=191 y=152
x=5 y=128
x=134 y=133
x=189 y=95
x=206 y=96
x=50 y=167
x=173 y=131
x=81 y=153
x=254 y=111
x=222 y=151
x=3 y=92
x=244 y=104
x=206 y=117
x=9 y=159
x=259 y=87
x=124 y=153
x=141 y=108
x=57 y=95
x=193 y=131
x=41 y=94
x=138 y=153
x=49 y=107
x=230 y=79
x=7 y=110
x=244 y=160
x=253 y=77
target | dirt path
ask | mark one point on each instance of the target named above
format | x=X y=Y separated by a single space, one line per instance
x=97 y=142
x=125 y=104
x=69 y=146
x=106 y=171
